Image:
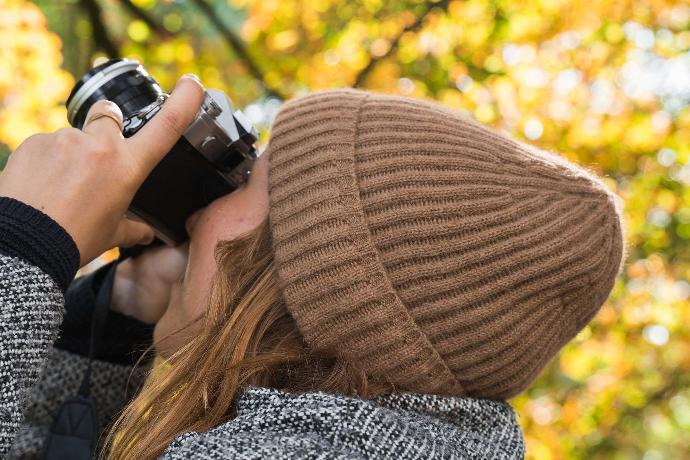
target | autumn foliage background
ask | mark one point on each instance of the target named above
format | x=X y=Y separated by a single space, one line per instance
x=605 y=83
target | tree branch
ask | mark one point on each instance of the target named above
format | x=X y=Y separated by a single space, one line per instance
x=146 y=17
x=100 y=33
x=238 y=46
x=373 y=62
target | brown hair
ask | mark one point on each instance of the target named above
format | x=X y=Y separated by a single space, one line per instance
x=247 y=337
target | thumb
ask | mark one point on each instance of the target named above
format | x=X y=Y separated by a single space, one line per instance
x=130 y=233
x=161 y=133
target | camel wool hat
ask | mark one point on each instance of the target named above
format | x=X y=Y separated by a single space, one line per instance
x=429 y=250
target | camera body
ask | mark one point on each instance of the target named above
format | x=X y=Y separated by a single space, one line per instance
x=213 y=157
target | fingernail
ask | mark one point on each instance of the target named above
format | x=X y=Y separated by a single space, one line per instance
x=189 y=75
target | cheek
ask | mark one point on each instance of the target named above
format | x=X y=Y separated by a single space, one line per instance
x=225 y=219
x=212 y=228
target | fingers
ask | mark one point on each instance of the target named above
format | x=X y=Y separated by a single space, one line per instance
x=104 y=120
x=130 y=233
x=159 y=135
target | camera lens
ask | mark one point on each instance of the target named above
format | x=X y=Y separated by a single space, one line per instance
x=122 y=81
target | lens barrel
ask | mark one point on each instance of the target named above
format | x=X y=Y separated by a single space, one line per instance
x=121 y=81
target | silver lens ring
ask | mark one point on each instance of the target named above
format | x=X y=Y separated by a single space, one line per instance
x=95 y=82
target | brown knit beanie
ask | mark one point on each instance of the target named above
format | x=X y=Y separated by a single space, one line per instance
x=430 y=250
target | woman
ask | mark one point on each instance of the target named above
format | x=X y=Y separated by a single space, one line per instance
x=389 y=275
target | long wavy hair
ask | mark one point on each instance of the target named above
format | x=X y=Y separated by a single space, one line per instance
x=247 y=338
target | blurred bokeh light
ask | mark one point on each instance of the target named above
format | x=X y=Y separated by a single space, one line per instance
x=605 y=83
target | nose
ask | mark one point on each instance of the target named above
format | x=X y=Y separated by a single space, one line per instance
x=192 y=220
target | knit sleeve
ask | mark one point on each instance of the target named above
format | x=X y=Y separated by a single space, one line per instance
x=32 y=236
x=31 y=308
x=38 y=258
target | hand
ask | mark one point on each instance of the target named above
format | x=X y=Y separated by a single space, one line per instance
x=85 y=180
x=143 y=285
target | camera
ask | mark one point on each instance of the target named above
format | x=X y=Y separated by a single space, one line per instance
x=213 y=157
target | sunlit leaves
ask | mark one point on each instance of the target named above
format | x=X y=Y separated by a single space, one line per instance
x=32 y=84
x=604 y=83
x=566 y=75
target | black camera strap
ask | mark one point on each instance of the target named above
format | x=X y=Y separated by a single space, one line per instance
x=75 y=430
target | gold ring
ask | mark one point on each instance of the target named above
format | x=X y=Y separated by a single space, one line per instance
x=96 y=116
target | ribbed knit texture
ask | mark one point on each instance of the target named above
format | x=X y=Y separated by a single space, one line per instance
x=430 y=250
x=32 y=235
